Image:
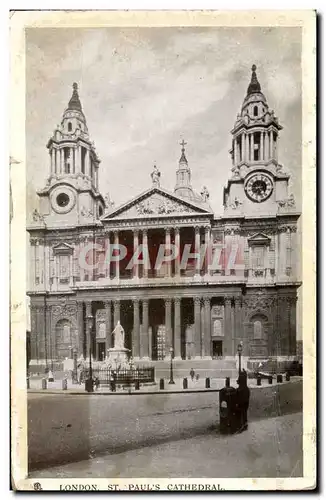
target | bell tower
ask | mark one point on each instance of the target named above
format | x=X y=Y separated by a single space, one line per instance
x=258 y=182
x=71 y=195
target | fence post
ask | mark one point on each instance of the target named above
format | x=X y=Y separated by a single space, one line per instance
x=287 y=377
x=161 y=384
x=208 y=383
x=270 y=379
x=64 y=384
x=44 y=384
x=137 y=385
x=185 y=383
x=279 y=379
x=258 y=380
x=227 y=382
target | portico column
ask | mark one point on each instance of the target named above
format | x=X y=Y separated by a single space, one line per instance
x=228 y=327
x=145 y=246
x=136 y=243
x=238 y=322
x=117 y=262
x=251 y=147
x=261 y=153
x=178 y=256
x=89 y=330
x=266 y=146
x=108 y=326
x=136 y=331
x=271 y=145
x=197 y=249
x=207 y=327
x=177 y=328
x=208 y=249
x=168 y=248
x=81 y=329
x=197 y=319
x=168 y=327
x=116 y=312
x=235 y=149
x=61 y=161
x=144 y=340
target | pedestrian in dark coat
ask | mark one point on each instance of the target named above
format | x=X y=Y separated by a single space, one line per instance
x=243 y=396
x=192 y=374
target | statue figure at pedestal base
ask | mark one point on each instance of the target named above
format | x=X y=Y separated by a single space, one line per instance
x=118 y=355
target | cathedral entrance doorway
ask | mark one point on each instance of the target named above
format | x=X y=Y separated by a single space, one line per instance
x=217 y=349
x=157 y=326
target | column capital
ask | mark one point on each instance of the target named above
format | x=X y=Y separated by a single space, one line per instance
x=207 y=229
x=177 y=301
x=197 y=301
x=168 y=301
x=116 y=233
x=176 y=230
x=135 y=302
x=116 y=301
x=145 y=302
x=107 y=304
x=135 y=232
x=167 y=230
x=207 y=301
x=227 y=300
x=144 y=231
x=238 y=301
x=197 y=229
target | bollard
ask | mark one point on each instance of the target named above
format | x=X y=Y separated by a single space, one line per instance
x=227 y=382
x=161 y=384
x=208 y=383
x=287 y=377
x=279 y=379
x=185 y=383
x=27 y=383
x=44 y=385
x=64 y=384
x=258 y=380
x=137 y=385
x=270 y=379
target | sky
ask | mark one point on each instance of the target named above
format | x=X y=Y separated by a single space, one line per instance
x=144 y=90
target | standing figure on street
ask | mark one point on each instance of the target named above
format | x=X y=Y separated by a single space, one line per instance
x=243 y=396
x=192 y=374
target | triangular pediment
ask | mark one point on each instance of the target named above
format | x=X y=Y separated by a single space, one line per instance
x=155 y=202
x=63 y=248
x=259 y=238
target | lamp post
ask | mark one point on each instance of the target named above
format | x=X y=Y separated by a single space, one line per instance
x=89 y=319
x=239 y=354
x=171 y=367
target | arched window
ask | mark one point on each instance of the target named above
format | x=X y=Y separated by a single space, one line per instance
x=258 y=330
x=69 y=127
x=255 y=110
x=217 y=328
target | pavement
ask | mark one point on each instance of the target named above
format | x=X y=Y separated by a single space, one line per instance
x=65 y=428
x=269 y=448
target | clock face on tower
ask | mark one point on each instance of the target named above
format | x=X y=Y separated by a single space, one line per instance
x=259 y=187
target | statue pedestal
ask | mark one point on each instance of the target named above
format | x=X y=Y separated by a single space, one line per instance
x=118 y=357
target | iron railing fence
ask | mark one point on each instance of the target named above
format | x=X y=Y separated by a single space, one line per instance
x=122 y=376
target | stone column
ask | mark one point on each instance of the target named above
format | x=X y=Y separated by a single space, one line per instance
x=238 y=320
x=88 y=329
x=251 y=147
x=208 y=249
x=228 y=328
x=117 y=262
x=136 y=331
x=108 y=326
x=261 y=152
x=144 y=341
x=235 y=150
x=271 y=153
x=243 y=147
x=81 y=158
x=207 y=328
x=81 y=329
x=177 y=328
x=61 y=160
x=293 y=326
x=197 y=321
x=168 y=247
x=178 y=257
x=168 y=327
x=136 y=244
x=247 y=147
x=266 y=146
x=197 y=249
x=145 y=246
x=116 y=312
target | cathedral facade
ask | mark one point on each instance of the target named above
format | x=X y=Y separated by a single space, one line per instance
x=179 y=279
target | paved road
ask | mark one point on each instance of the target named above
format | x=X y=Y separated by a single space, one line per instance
x=69 y=428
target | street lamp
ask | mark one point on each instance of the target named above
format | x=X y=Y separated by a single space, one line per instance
x=89 y=319
x=239 y=354
x=171 y=367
